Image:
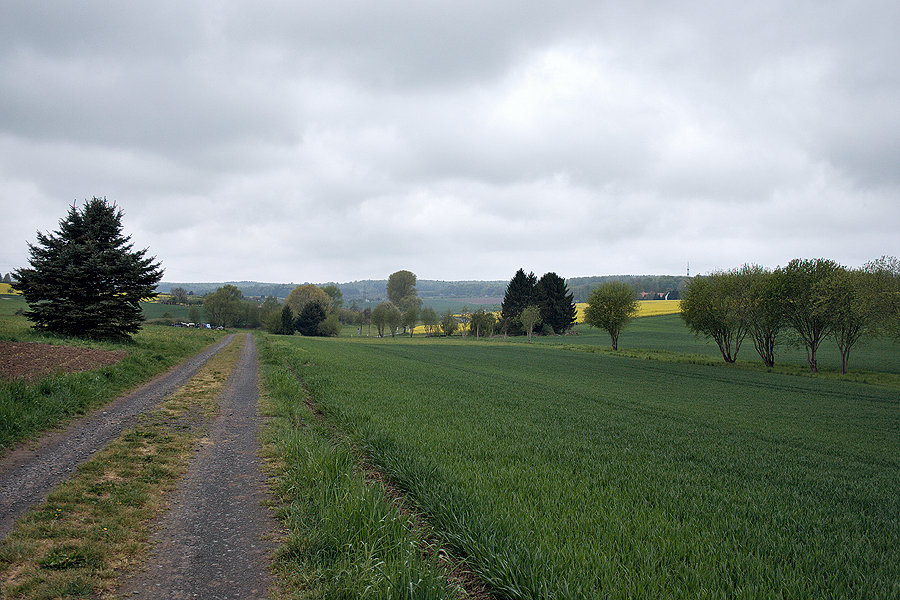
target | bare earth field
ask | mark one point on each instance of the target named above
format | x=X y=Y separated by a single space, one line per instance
x=30 y=360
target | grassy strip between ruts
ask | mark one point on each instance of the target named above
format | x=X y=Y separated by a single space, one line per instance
x=94 y=526
x=345 y=539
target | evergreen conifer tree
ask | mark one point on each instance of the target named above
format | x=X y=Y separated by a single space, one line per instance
x=287 y=321
x=85 y=279
x=519 y=294
x=557 y=305
x=308 y=320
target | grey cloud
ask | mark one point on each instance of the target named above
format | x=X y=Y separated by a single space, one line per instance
x=345 y=140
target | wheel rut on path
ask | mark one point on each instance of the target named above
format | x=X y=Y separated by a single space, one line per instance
x=215 y=540
x=27 y=474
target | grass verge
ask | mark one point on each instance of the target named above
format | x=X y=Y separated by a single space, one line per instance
x=345 y=539
x=28 y=408
x=95 y=526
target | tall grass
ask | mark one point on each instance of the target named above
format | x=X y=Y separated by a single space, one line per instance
x=575 y=475
x=345 y=539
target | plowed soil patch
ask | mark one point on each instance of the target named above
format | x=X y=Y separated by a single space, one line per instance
x=28 y=360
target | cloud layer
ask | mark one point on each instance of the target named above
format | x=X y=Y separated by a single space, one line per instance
x=297 y=142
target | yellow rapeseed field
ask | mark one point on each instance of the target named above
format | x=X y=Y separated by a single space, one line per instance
x=646 y=308
x=5 y=288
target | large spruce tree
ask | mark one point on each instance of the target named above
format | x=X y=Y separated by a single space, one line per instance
x=557 y=305
x=86 y=280
x=519 y=294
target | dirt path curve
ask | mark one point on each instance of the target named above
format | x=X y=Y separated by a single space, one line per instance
x=28 y=474
x=211 y=543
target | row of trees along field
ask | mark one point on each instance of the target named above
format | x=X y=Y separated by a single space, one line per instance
x=804 y=302
x=402 y=307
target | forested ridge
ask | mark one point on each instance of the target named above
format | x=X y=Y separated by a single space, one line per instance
x=374 y=289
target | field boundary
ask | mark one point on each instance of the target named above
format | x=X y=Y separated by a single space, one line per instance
x=309 y=417
x=34 y=467
x=453 y=567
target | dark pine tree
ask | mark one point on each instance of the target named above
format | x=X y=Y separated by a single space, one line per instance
x=85 y=279
x=308 y=320
x=556 y=303
x=287 y=321
x=519 y=294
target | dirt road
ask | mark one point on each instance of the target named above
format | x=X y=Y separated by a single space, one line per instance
x=212 y=544
x=28 y=474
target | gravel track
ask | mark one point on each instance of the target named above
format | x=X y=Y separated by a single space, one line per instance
x=215 y=540
x=29 y=473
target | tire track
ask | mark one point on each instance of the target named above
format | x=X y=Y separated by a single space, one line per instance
x=28 y=474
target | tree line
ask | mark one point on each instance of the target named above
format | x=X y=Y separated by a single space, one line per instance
x=804 y=302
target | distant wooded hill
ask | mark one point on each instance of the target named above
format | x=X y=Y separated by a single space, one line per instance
x=374 y=290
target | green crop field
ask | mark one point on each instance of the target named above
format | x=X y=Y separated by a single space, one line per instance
x=154 y=310
x=566 y=474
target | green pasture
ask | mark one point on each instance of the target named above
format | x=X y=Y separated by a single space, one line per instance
x=154 y=310
x=668 y=334
x=566 y=474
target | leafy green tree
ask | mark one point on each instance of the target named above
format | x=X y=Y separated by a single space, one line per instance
x=519 y=294
x=337 y=297
x=481 y=323
x=270 y=305
x=886 y=280
x=430 y=320
x=393 y=318
x=302 y=295
x=401 y=290
x=85 y=279
x=854 y=308
x=380 y=316
x=194 y=314
x=556 y=303
x=179 y=295
x=330 y=327
x=225 y=306
x=251 y=317
x=764 y=311
x=611 y=307
x=272 y=322
x=713 y=306
x=800 y=283
x=529 y=316
x=449 y=324
x=307 y=322
x=410 y=317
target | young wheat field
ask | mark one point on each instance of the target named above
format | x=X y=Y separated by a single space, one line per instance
x=565 y=474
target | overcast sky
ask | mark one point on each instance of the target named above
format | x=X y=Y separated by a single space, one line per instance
x=335 y=141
